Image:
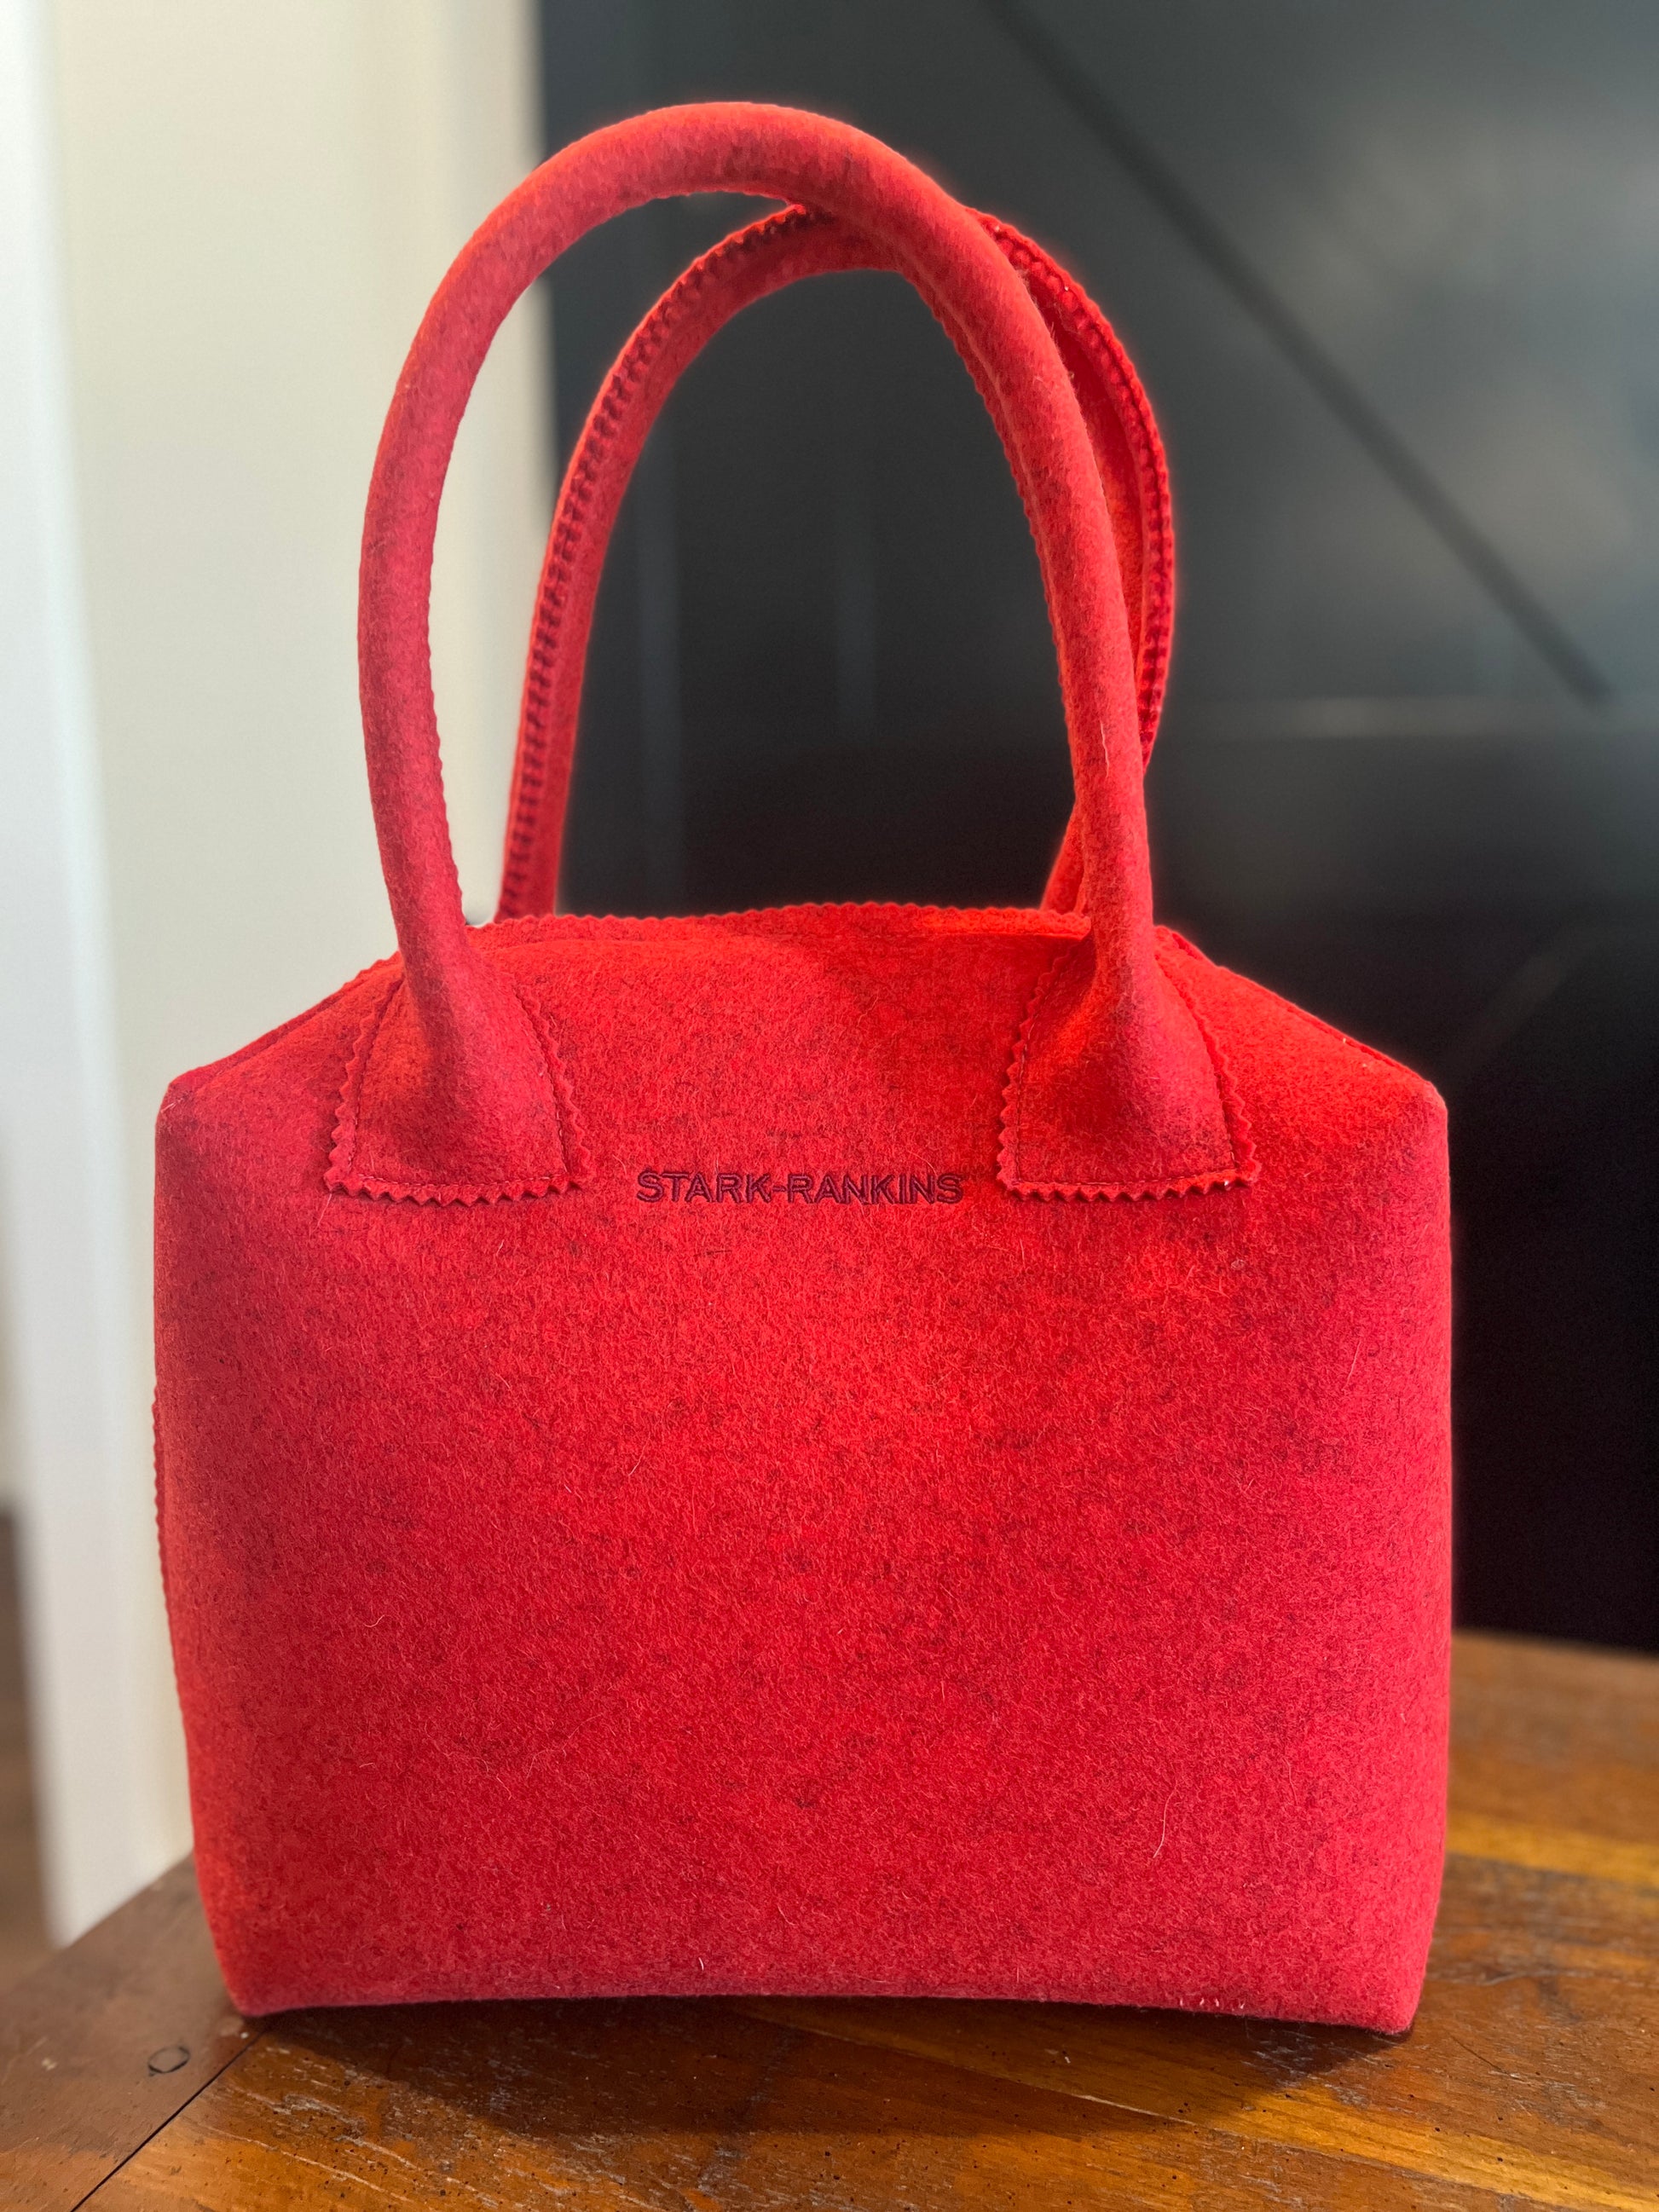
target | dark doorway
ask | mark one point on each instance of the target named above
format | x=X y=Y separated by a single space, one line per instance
x=1383 y=272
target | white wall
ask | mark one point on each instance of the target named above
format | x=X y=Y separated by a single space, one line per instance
x=252 y=207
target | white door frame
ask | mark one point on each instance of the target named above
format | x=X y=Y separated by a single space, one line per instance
x=70 y=1389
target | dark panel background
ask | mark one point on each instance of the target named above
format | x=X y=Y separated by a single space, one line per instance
x=1391 y=275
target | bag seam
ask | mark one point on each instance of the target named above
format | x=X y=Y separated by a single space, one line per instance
x=1089 y=326
x=1245 y=1164
x=344 y=1174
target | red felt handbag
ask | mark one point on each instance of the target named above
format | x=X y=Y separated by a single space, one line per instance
x=840 y=1450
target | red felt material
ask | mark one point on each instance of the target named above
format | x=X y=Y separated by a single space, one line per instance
x=744 y=268
x=1118 y=1095
x=651 y=1496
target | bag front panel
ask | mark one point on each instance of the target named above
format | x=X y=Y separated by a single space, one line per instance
x=833 y=1574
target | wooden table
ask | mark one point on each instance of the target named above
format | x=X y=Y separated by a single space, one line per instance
x=1532 y=2077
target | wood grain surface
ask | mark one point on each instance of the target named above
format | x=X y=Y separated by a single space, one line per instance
x=101 y=2046
x=1531 y=2078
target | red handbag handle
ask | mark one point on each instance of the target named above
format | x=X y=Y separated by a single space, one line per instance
x=747 y=266
x=1114 y=1091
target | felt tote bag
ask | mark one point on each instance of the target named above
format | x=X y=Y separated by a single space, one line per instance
x=844 y=1449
